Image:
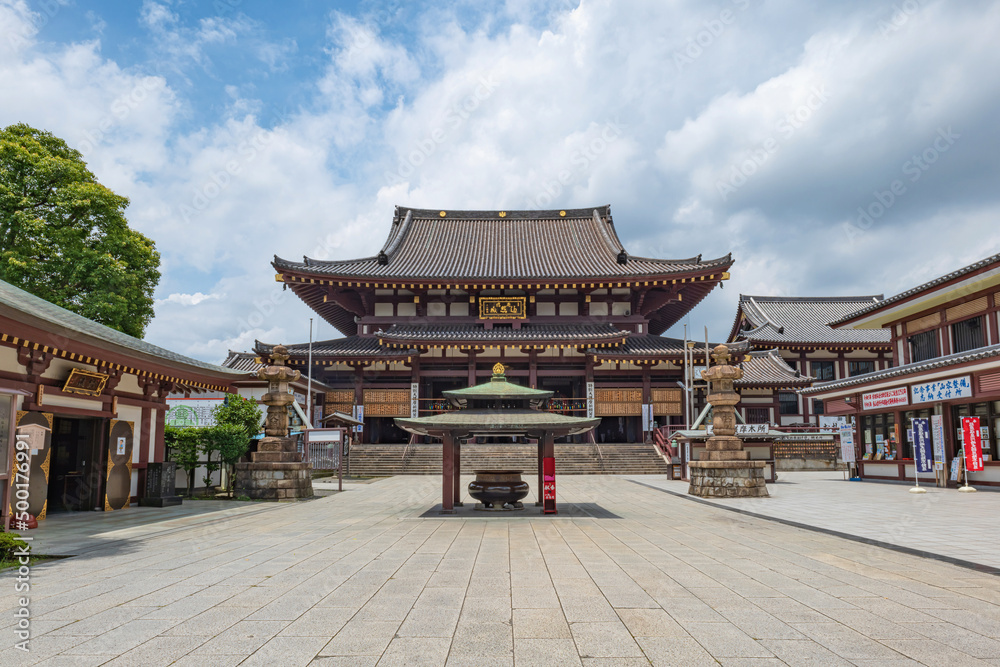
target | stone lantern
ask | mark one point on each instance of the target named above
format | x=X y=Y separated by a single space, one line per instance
x=725 y=468
x=277 y=471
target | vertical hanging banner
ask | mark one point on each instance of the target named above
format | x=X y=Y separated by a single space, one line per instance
x=973 y=444
x=590 y=400
x=414 y=400
x=847 y=453
x=937 y=435
x=923 y=455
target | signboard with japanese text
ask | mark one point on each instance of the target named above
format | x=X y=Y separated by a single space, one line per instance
x=884 y=399
x=359 y=414
x=751 y=429
x=847 y=452
x=923 y=455
x=973 y=444
x=502 y=308
x=942 y=390
x=590 y=400
x=937 y=436
x=414 y=400
x=183 y=412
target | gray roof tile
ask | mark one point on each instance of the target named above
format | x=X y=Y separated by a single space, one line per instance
x=795 y=320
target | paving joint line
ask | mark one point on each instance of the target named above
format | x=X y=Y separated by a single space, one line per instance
x=968 y=564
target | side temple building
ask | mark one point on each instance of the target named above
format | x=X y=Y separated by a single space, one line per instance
x=553 y=295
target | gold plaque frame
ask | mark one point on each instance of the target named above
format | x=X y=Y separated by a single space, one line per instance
x=502 y=308
x=85 y=382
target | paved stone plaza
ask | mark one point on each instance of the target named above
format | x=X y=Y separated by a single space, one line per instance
x=627 y=575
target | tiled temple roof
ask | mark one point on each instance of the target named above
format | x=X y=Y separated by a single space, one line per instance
x=422 y=334
x=768 y=369
x=351 y=346
x=503 y=245
x=780 y=320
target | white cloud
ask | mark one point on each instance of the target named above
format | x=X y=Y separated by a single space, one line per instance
x=585 y=108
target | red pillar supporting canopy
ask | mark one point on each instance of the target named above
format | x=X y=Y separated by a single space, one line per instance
x=448 y=474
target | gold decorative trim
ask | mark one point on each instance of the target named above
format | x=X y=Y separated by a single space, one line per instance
x=45 y=509
x=49 y=418
x=107 y=505
x=442 y=214
x=46 y=464
x=562 y=213
x=20 y=414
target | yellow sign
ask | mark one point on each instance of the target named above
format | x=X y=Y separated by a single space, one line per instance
x=502 y=308
x=85 y=382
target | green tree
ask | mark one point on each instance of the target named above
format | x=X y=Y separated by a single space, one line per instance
x=232 y=444
x=64 y=236
x=241 y=412
x=184 y=448
x=238 y=419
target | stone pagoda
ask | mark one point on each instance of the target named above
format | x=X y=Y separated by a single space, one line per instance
x=276 y=471
x=725 y=469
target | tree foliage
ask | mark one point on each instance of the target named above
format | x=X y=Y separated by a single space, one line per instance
x=184 y=448
x=64 y=236
x=241 y=412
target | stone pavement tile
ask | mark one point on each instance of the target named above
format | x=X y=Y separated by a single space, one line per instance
x=187 y=607
x=72 y=661
x=789 y=610
x=901 y=662
x=593 y=611
x=960 y=639
x=892 y=611
x=726 y=640
x=845 y=642
x=361 y=638
x=286 y=651
x=345 y=661
x=319 y=622
x=441 y=597
x=803 y=652
x=241 y=639
x=495 y=609
x=102 y=622
x=650 y=623
x=210 y=623
x=980 y=623
x=685 y=610
x=930 y=652
x=540 y=624
x=615 y=662
x=482 y=640
x=284 y=608
x=757 y=623
x=41 y=648
x=430 y=622
x=348 y=595
x=382 y=608
x=534 y=597
x=405 y=651
x=479 y=661
x=123 y=638
x=530 y=652
x=874 y=627
x=671 y=651
x=604 y=640
x=157 y=651
x=408 y=586
x=221 y=660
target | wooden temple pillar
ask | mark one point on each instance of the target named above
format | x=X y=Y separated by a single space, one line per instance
x=472 y=368
x=457 y=477
x=448 y=474
x=533 y=369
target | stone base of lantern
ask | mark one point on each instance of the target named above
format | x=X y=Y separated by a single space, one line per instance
x=276 y=472
x=727 y=479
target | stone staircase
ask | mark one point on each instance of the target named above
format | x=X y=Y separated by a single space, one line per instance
x=585 y=459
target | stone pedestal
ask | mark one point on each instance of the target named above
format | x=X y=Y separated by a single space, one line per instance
x=725 y=469
x=727 y=479
x=276 y=472
x=161 y=488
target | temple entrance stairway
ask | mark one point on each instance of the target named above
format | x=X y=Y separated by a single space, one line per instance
x=571 y=459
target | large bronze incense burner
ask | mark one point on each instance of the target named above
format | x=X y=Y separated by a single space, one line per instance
x=498 y=489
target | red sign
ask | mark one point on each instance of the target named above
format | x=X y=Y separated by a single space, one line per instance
x=973 y=444
x=885 y=398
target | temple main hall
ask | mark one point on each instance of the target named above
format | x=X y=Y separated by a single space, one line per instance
x=552 y=295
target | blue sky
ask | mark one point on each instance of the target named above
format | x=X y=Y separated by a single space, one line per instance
x=775 y=130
